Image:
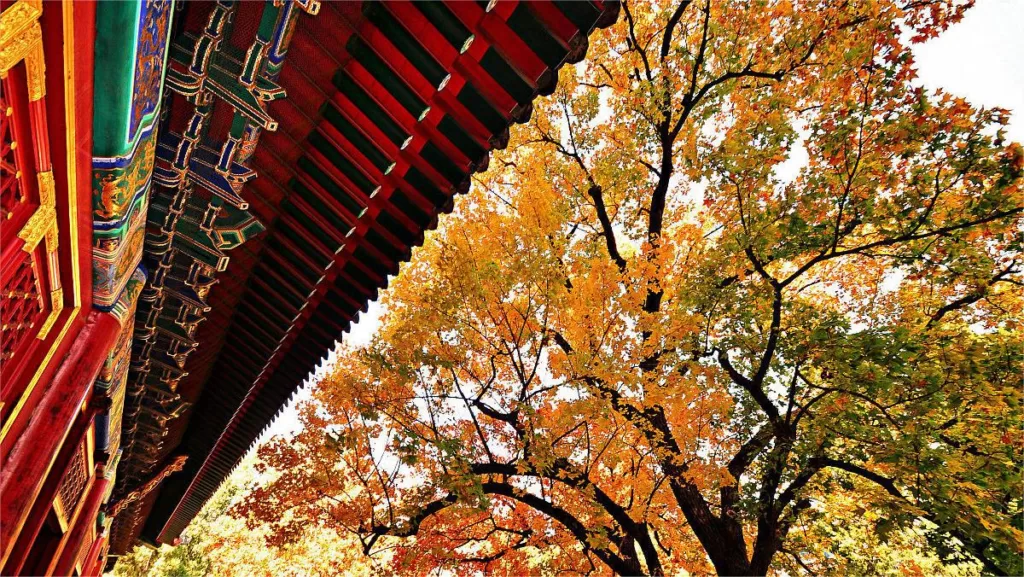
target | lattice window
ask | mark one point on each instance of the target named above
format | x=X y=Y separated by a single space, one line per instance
x=83 y=559
x=22 y=305
x=73 y=484
x=11 y=193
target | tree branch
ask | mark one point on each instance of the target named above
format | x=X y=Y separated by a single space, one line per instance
x=755 y=391
x=606 y=226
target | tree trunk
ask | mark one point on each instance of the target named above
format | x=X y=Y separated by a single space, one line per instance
x=764 y=553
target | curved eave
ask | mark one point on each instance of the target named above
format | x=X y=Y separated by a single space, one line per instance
x=391 y=108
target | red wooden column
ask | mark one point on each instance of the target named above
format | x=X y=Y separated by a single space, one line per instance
x=92 y=563
x=23 y=473
x=15 y=564
x=52 y=357
x=80 y=532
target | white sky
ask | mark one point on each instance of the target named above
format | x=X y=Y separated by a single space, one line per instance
x=359 y=334
x=981 y=59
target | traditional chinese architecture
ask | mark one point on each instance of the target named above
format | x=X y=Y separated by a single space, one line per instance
x=143 y=144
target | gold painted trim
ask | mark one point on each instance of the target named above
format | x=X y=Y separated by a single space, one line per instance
x=90 y=449
x=47 y=189
x=5 y=552
x=62 y=515
x=41 y=221
x=51 y=248
x=57 y=305
x=18 y=18
x=70 y=117
x=140 y=492
x=35 y=71
x=21 y=38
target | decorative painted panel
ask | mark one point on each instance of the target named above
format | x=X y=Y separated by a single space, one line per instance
x=112 y=377
x=132 y=43
x=116 y=413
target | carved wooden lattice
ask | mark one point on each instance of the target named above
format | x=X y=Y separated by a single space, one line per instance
x=21 y=295
x=31 y=292
x=21 y=309
x=11 y=194
x=73 y=484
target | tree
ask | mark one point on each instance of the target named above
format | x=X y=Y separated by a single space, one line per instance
x=841 y=536
x=217 y=543
x=737 y=263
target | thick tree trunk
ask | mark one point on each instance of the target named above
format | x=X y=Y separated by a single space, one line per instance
x=732 y=564
x=764 y=551
x=727 y=553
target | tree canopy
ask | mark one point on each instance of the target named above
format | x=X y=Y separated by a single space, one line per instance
x=739 y=265
x=216 y=543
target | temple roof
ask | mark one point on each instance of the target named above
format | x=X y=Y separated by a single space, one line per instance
x=390 y=108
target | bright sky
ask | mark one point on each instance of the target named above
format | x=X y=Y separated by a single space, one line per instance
x=980 y=59
x=360 y=334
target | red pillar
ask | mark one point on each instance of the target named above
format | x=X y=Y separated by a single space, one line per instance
x=93 y=564
x=86 y=520
x=23 y=473
x=44 y=502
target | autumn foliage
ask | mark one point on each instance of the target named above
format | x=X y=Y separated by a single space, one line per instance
x=739 y=264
